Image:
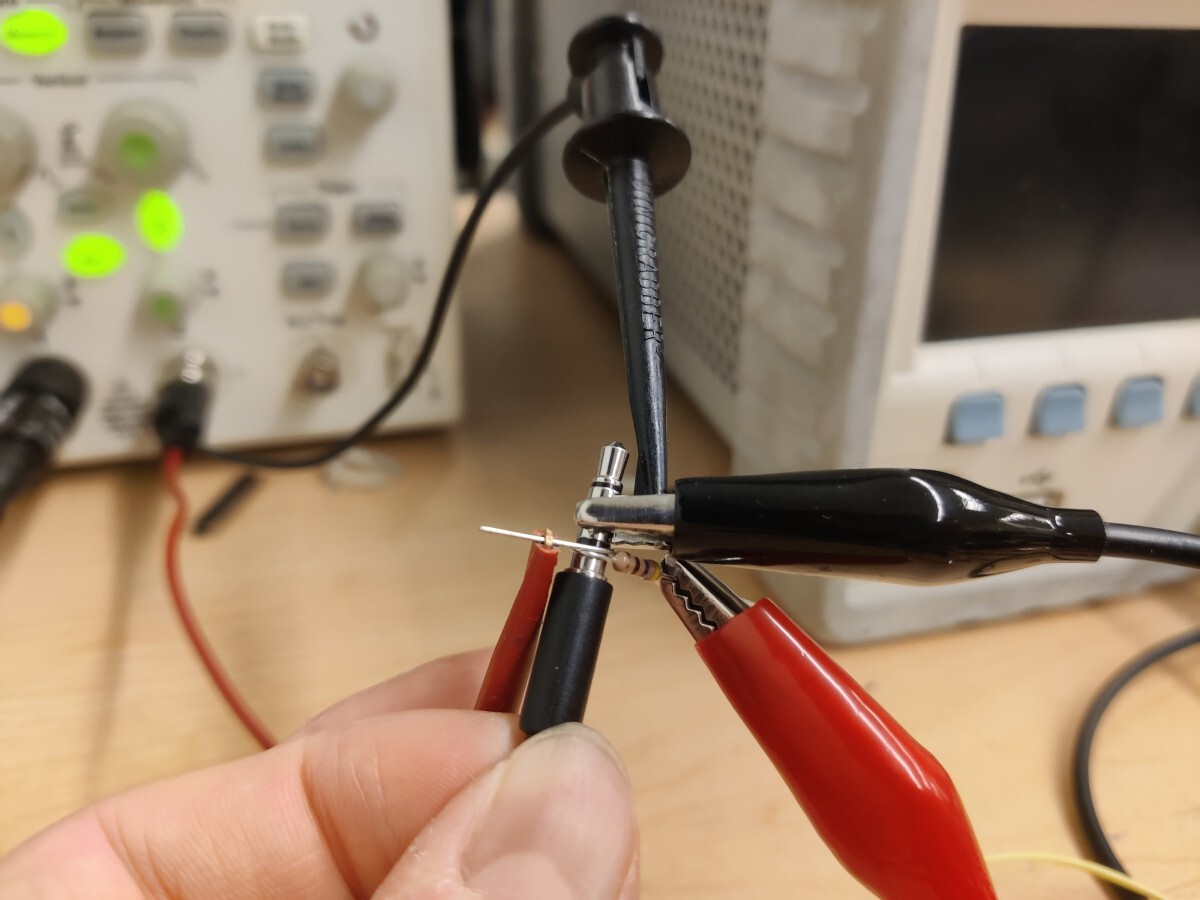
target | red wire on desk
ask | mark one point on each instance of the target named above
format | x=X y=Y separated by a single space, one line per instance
x=172 y=463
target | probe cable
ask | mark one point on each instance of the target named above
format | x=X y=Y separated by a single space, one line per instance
x=172 y=463
x=1081 y=761
x=1175 y=548
x=462 y=244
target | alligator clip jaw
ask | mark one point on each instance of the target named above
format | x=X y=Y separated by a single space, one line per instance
x=702 y=601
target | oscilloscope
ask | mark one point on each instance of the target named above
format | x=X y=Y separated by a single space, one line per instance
x=268 y=182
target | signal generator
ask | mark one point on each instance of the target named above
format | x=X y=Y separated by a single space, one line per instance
x=267 y=182
x=948 y=234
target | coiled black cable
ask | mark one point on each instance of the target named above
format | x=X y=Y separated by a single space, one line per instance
x=1081 y=760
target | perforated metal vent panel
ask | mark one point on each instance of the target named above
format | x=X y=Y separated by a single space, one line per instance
x=711 y=87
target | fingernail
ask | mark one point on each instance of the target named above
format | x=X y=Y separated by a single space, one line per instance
x=560 y=823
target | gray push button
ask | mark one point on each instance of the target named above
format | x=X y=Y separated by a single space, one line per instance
x=975 y=418
x=1139 y=402
x=294 y=144
x=301 y=221
x=117 y=33
x=16 y=233
x=197 y=31
x=83 y=205
x=1193 y=405
x=308 y=279
x=1059 y=410
x=286 y=87
x=375 y=219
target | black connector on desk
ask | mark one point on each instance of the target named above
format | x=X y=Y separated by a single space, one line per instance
x=37 y=411
x=181 y=411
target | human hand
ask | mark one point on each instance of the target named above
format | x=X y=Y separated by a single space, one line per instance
x=401 y=791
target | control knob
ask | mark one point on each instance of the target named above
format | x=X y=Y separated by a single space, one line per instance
x=368 y=88
x=143 y=142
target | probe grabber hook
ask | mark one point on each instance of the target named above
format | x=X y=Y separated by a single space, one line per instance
x=626 y=152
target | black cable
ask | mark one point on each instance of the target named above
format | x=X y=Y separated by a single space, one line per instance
x=441 y=305
x=1154 y=544
x=1081 y=763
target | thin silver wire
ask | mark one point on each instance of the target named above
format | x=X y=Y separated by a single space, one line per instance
x=551 y=541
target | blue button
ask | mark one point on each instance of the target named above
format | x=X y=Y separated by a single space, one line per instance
x=1059 y=410
x=975 y=418
x=1139 y=402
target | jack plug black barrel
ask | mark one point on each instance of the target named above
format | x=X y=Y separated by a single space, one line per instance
x=561 y=677
x=565 y=661
x=181 y=412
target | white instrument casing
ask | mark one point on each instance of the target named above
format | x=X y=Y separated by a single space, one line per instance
x=372 y=80
x=796 y=261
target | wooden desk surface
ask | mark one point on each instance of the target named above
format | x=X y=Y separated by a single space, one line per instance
x=311 y=594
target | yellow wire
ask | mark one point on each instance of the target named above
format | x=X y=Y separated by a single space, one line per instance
x=1104 y=873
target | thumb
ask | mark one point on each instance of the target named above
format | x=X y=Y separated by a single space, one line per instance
x=555 y=819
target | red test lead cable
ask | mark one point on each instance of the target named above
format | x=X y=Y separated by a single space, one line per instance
x=172 y=463
x=510 y=660
x=881 y=802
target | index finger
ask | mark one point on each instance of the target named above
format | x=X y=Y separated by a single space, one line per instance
x=326 y=815
x=451 y=682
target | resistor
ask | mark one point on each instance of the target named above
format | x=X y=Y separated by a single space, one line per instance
x=637 y=566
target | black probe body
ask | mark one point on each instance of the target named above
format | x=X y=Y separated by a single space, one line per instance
x=37 y=411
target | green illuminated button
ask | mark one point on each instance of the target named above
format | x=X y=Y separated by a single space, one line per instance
x=33 y=32
x=93 y=256
x=159 y=221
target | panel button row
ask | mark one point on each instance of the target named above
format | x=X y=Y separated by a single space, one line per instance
x=127 y=33
x=1060 y=410
x=383 y=280
x=310 y=220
